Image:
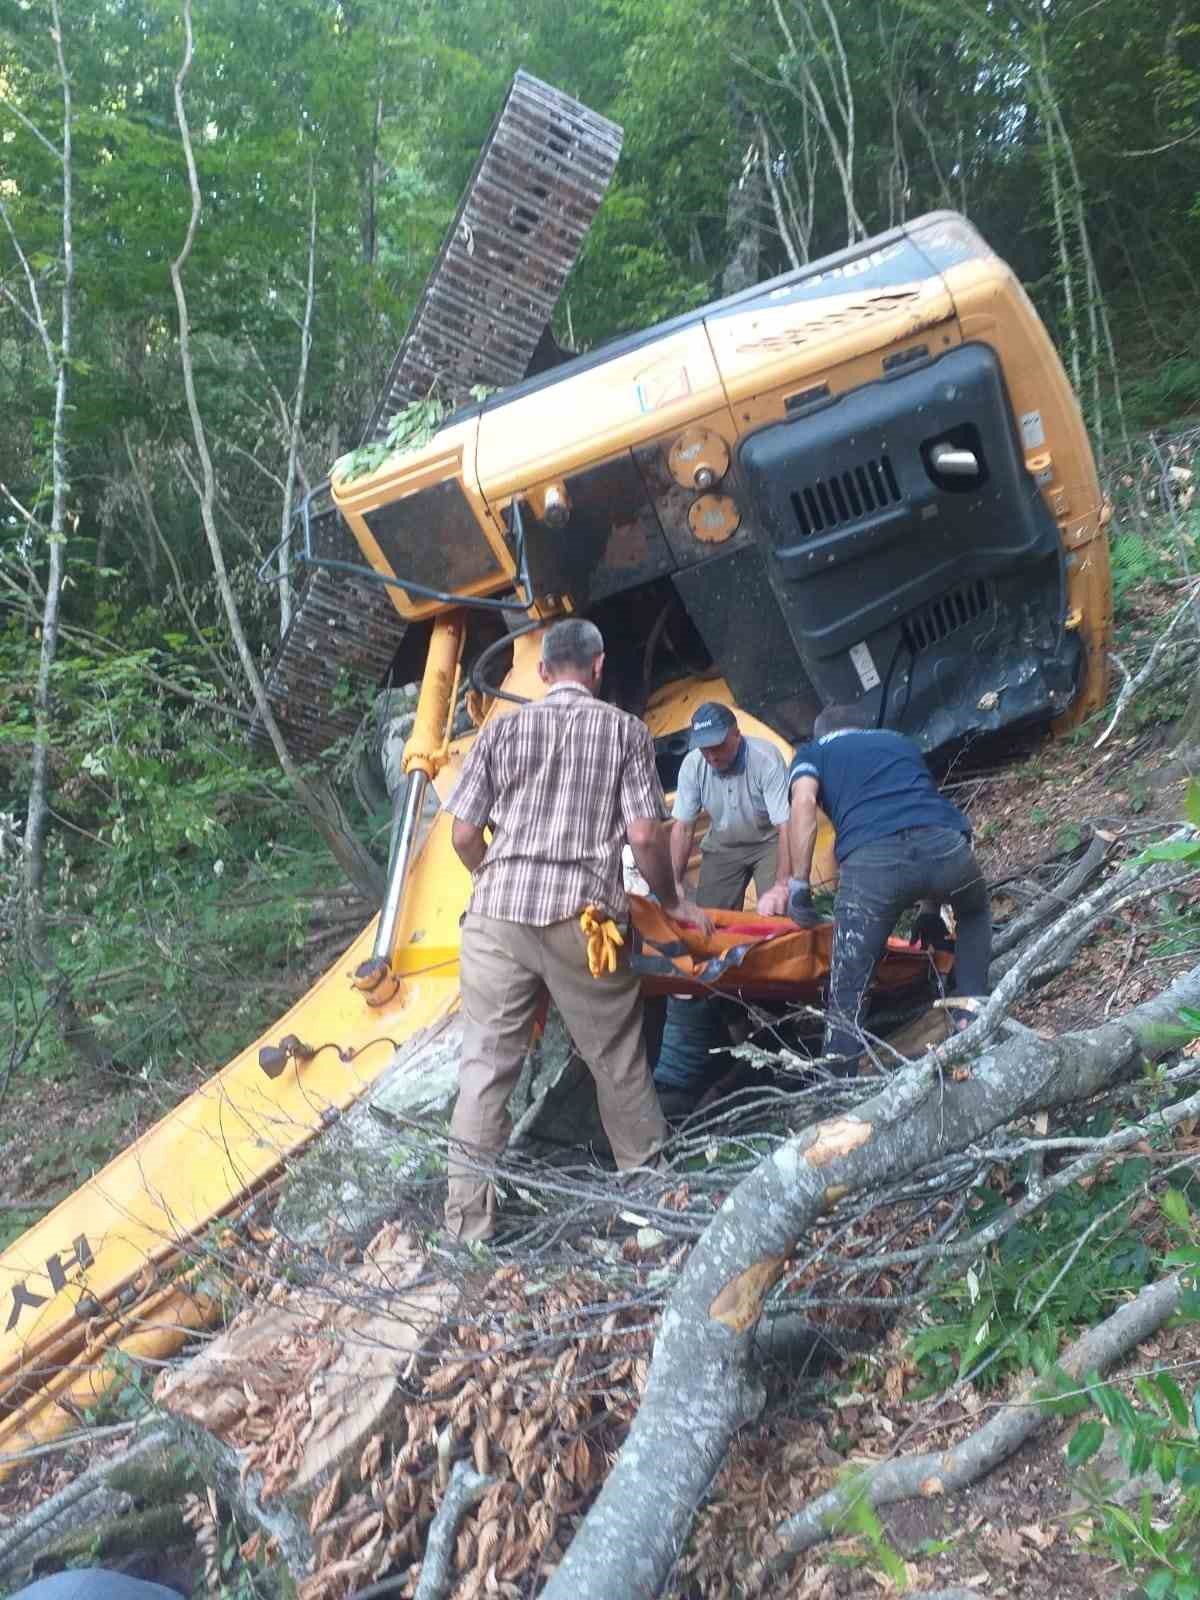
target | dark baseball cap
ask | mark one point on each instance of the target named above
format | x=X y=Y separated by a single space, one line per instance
x=711 y=722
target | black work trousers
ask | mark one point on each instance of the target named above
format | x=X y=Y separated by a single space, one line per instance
x=878 y=882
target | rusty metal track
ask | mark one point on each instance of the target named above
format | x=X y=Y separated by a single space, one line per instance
x=343 y=630
x=541 y=174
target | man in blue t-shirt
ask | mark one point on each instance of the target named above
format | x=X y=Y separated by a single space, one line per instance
x=898 y=842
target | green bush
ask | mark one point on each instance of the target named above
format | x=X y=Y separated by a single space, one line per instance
x=994 y=1310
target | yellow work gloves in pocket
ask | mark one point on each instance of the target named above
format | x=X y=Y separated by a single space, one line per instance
x=604 y=939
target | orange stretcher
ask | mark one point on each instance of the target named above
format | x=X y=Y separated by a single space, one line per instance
x=758 y=958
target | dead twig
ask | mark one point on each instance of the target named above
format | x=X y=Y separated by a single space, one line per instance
x=1131 y=685
x=465 y=1489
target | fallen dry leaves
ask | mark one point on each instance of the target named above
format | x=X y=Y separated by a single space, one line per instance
x=536 y=1382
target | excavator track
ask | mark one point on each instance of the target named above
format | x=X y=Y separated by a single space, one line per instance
x=540 y=177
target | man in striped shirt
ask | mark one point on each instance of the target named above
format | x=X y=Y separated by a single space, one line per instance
x=562 y=783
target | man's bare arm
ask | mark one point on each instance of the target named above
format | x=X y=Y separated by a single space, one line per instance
x=783 y=866
x=470 y=846
x=797 y=839
x=682 y=834
x=652 y=853
x=802 y=827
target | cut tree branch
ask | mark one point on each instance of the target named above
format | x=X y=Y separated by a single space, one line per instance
x=465 y=1489
x=703 y=1359
x=939 y=1472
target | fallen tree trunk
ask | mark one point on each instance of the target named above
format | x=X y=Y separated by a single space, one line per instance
x=938 y=1472
x=701 y=1388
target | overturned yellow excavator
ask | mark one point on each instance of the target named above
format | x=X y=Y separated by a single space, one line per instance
x=865 y=480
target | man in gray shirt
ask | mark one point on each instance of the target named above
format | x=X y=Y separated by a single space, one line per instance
x=742 y=784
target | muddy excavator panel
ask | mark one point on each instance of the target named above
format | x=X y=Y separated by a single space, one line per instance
x=912 y=558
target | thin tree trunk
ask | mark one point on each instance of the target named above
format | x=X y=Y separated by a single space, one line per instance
x=76 y=1030
x=893 y=77
x=944 y=191
x=1056 y=135
x=157 y=537
x=773 y=186
x=844 y=96
x=289 y=486
x=317 y=796
x=802 y=209
x=1045 y=94
x=1097 y=305
x=840 y=148
x=742 y=227
x=58 y=363
x=370 y=211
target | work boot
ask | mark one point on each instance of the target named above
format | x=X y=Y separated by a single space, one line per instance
x=677 y=1104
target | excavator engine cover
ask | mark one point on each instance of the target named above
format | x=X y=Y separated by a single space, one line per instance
x=940 y=591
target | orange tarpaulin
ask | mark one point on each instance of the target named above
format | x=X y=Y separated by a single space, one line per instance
x=759 y=957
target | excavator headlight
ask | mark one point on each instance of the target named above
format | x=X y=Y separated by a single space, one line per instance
x=556 y=511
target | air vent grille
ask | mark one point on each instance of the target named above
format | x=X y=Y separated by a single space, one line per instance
x=947 y=615
x=845 y=497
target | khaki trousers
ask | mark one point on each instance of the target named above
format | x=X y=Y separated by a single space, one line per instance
x=726 y=870
x=503 y=968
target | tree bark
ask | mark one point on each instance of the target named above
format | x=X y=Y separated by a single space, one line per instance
x=465 y=1489
x=774 y=187
x=742 y=226
x=841 y=146
x=58 y=363
x=701 y=1389
x=74 y=1027
x=297 y=416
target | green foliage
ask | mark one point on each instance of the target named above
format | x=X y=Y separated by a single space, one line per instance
x=408 y=431
x=175 y=879
x=130 y=1395
x=1181 y=931
x=1155 y=1545
x=1010 y=1307
x=1134 y=560
x=858 y=1520
x=1171 y=389
x=1068 y=837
